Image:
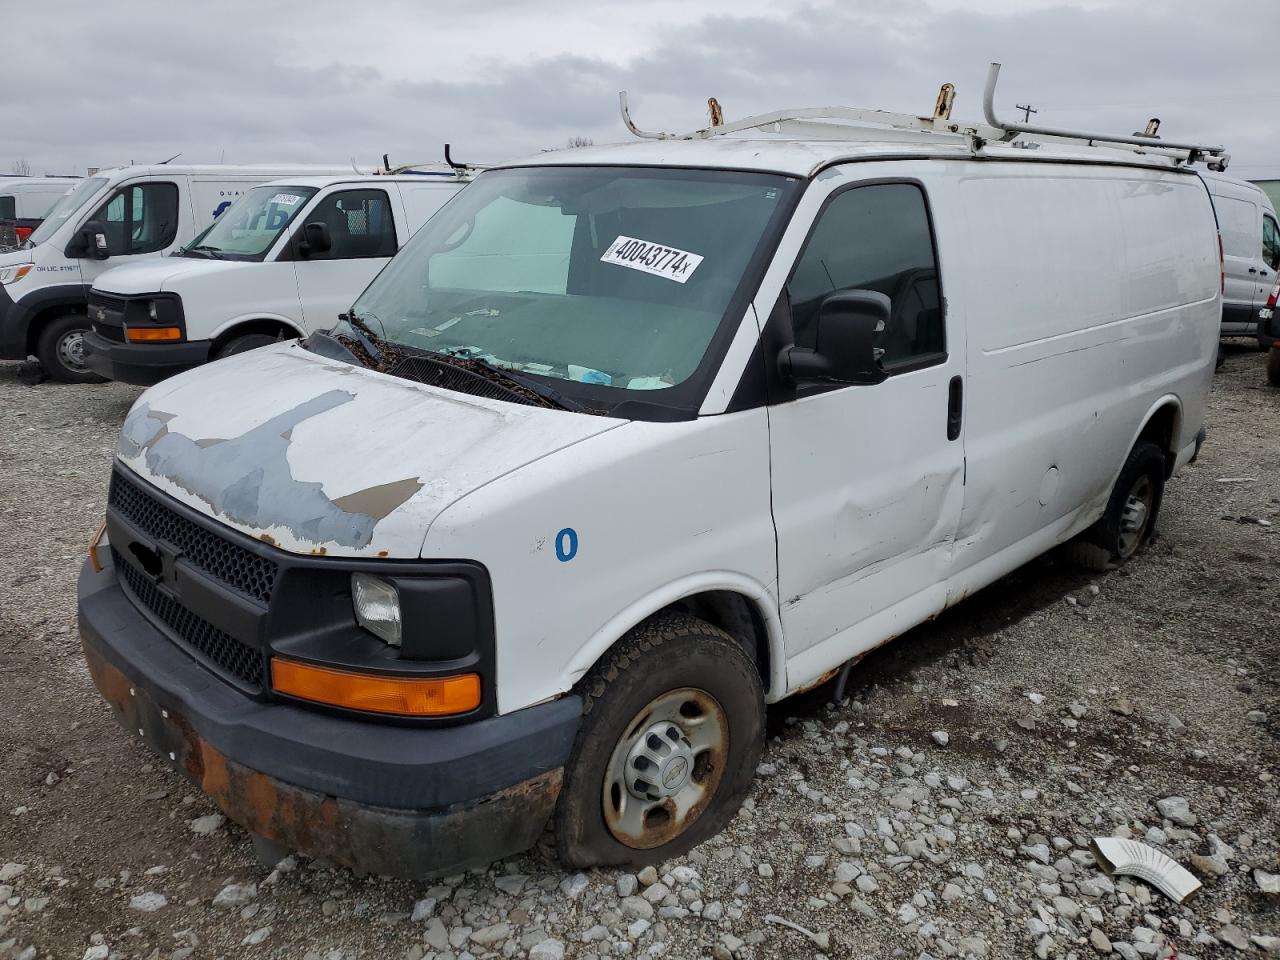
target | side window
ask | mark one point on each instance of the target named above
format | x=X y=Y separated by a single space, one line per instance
x=1270 y=242
x=140 y=218
x=360 y=225
x=874 y=238
x=8 y=208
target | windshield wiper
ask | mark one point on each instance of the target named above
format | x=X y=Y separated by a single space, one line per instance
x=364 y=334
x=496 y=372
x=211 y=253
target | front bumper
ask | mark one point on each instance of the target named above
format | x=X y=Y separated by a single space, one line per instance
x=15 y=321
x=141 y=363
x=404 y=801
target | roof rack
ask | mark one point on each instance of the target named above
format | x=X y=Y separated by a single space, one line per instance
x=459 y=171
x=826 y=120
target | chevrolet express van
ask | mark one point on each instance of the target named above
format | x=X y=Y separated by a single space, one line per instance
x=24 y=201
x=115 y=216
x=1251 y=252
x=285 y=259
x=626 y=444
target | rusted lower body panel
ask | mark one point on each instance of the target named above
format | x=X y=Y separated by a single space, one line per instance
x=402 y=843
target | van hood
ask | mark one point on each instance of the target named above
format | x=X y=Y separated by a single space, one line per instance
x=15 y=257
x=160 y=275
x=317 y=456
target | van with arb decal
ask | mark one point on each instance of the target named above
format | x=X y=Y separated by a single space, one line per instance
x=115 y=216
x=285 y=259
x=628 y=443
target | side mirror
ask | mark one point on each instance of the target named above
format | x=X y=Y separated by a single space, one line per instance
x=90 y=241
x=315 y=239
x=844 y=350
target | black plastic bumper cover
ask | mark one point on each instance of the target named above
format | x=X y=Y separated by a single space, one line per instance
x=14 y=321
x=141 y=363
x=404 y=801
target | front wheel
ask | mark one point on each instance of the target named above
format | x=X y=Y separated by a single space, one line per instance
x=672 y=731
x=61 y=349
x=1273 y=367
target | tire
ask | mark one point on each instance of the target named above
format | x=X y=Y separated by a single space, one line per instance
x=60 y=348
x=1130 y=518
x=672 y=671
x=245 y=343
x=1273 y=367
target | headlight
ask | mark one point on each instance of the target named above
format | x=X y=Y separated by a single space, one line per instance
x=377 y=606
x=10 y=275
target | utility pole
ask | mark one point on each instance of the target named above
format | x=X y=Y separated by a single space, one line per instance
x=1027 y=111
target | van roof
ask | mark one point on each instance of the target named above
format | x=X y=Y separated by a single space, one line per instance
x=444 y=175
x=805 y=156
x=269 y=170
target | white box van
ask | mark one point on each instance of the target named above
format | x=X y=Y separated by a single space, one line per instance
x=285 y=259
x=24 y=201
x=1250 y=251
x=113 y=217
x=625 y=444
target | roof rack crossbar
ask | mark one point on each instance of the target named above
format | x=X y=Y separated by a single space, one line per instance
x=1195 y=151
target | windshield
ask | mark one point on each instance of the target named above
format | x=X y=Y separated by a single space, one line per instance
x=250 y=226
x=71 y=201
x=616 y=278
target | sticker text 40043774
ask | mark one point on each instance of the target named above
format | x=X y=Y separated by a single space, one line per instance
x=654 y=258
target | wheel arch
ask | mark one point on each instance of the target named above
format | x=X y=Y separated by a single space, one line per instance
x=1162 y=426
x=281 y=327
x=732 y=602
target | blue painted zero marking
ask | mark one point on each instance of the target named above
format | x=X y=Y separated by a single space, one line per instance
x=566 y=544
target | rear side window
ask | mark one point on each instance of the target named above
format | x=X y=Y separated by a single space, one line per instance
x=8 y=208
x=360 y=225
x=1270 y=242
x=877 y=238
x=140 y=218
x=1238 y=225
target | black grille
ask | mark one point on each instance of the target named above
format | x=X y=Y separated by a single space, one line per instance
x=110 y=324
x=222 y=649
x=478 y=384
x=238 y=568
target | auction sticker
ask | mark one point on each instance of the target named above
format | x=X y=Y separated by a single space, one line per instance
x=288 y=199
x=654 y=258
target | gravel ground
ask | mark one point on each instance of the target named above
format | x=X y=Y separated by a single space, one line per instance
x=944 y=809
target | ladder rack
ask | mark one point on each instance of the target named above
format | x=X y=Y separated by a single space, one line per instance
x=828 y=120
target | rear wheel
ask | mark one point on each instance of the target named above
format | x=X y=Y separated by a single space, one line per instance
x=245 y=343
x=61 y=349
x=1273 y=367
x=1130 y=517
x=672 y=731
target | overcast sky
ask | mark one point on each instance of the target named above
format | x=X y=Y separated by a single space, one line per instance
x=92 y=83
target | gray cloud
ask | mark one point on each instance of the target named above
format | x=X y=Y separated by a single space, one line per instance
x=263 y=82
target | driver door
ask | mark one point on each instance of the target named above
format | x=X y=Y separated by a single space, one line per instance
x=141 y=219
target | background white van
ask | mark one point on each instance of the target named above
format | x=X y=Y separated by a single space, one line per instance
x=110 y=218
x=24 y=201
x=1247 y=223
x=285 y=259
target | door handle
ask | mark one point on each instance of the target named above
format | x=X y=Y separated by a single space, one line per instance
x=1252 y=270
x=955 y=407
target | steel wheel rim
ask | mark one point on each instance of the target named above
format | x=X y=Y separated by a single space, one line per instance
x=71 y=350
x=665 y=768
x=1136 y=515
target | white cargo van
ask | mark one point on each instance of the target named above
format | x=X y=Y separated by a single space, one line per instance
x=285 y=259
x=24 y=201
x=1250 y=251
x=625 y=444
x=113 y=217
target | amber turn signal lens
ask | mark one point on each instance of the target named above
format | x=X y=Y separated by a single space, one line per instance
x=400 y=696
x=149 y=334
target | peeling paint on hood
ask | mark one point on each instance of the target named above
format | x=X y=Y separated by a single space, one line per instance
x=319 y=456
